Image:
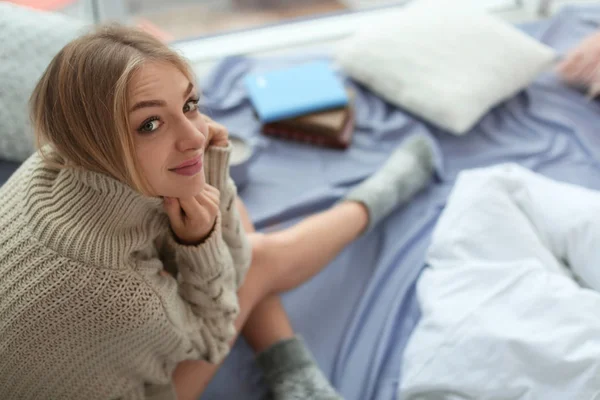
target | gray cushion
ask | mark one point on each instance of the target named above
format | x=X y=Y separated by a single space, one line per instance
x=30 y=39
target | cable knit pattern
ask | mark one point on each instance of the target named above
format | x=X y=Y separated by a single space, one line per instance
x=237 y=242
x=84 y=310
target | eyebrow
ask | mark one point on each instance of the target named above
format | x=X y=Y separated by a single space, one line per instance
x=188 y=90
x=159 y=103
x=148 y=103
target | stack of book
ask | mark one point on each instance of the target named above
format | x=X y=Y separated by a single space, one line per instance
x=306 y=103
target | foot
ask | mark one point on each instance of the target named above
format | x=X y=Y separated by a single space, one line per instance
x=291 y=373
x=404 y=174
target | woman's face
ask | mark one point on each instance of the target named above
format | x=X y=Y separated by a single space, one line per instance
x=169 y=132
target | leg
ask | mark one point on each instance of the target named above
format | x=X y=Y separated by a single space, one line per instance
x=191 y=377
x=302 y=251
x=268 y=323
x=289 y=368
x=262 y=317
x=284 y=260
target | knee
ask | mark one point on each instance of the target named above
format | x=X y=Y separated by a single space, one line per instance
x=263 y=252
x=259 y=246
x=270 y=252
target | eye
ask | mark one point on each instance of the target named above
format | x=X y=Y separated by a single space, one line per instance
x=150 y=125
x=191 y=105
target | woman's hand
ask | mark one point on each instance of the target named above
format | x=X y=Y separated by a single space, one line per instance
x=217 y=133
x=580 y=66
x=193 y=219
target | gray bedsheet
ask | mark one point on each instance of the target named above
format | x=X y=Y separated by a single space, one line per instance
x=357 y=315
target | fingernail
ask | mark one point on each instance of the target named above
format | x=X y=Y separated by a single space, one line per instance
x=167 y=200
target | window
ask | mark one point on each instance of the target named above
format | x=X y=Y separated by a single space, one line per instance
x=189 y=19
x=206 y=30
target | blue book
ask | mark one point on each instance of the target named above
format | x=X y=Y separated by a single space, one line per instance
x=291 y=92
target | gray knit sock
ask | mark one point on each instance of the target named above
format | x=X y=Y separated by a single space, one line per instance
x=404 y=174
x=292 y=374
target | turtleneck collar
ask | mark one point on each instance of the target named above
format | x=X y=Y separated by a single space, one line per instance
x=89 y=216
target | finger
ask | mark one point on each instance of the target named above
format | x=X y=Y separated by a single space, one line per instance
x=570 y=65
x=173 y=209
x=212 y=189
x=218 y=133
x=211 y=194
x=208 y=201
x=191 y=208
x=209 y=212
x=209 y=133
x=209 y=138
x=218 y=127
x=215 y=195
x=221 y=133
x=164 y=273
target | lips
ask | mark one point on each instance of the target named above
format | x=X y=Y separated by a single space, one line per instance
x=190 y=167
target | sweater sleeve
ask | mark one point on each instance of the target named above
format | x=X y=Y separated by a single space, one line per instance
x=209 y=274
x=217 y=175
x=156 y=321
x=206 y=283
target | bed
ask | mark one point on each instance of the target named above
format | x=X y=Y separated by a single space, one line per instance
x=358 y=314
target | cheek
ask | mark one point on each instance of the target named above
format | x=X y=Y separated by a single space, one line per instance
x=152 y=158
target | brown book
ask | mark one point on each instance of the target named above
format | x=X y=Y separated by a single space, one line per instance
x=331 y=128
x=325 y=137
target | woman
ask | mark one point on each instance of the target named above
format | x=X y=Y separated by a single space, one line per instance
x=128 y=266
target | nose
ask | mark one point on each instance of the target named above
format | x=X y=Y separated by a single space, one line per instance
x=189 y=136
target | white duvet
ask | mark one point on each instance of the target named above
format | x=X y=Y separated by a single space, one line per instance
x=510 y=302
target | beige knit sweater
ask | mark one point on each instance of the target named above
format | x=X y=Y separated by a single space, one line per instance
x=84 y=311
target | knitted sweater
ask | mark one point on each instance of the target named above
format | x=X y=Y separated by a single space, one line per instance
x=84 y=311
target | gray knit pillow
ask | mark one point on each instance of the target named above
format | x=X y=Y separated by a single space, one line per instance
x=29 y=40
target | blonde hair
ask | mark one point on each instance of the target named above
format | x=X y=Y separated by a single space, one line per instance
x=80 y=105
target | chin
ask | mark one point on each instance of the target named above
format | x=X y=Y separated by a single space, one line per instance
x=184 y=188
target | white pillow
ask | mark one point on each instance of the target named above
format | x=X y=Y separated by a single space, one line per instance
x=30 y=39
x=445 y=64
